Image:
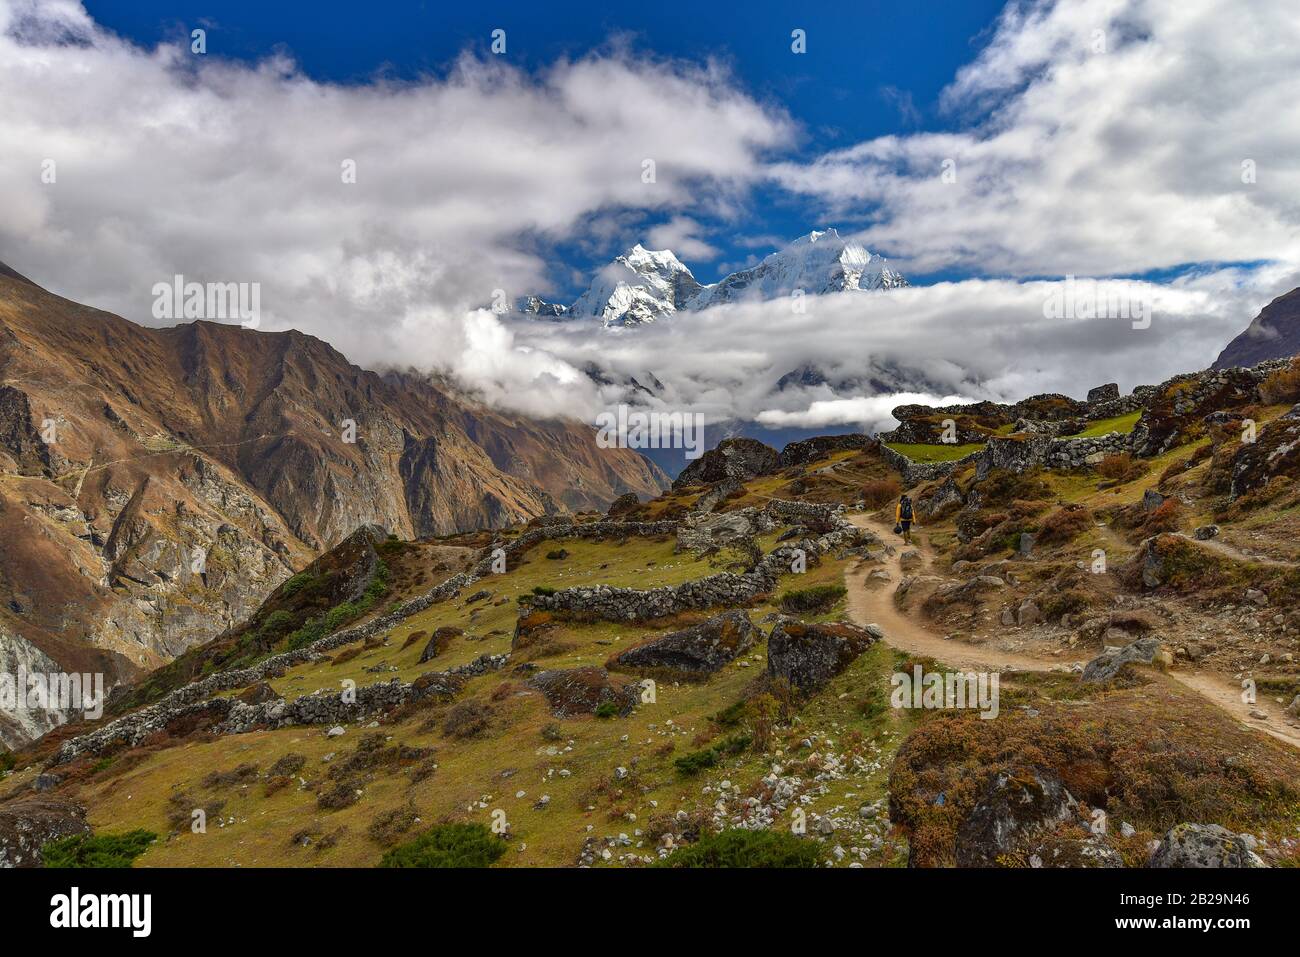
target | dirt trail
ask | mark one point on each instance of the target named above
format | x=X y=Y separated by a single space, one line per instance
x=875 y=603
x=1235 y=553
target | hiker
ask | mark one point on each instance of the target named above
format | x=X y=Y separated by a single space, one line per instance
x=903 y=519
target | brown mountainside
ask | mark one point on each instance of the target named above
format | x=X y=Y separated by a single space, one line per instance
x=193 y=468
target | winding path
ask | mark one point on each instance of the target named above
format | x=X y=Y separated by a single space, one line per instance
x=869 y=603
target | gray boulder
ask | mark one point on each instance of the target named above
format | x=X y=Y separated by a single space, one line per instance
x=1013 y=808
x=1104 y=393
x=1112 y=661
x=809 y=655
x=29 y=823
x=1204 y=845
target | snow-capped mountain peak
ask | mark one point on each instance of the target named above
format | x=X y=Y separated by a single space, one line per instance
x=820 y=262
x=639 y=286
x=643 y=285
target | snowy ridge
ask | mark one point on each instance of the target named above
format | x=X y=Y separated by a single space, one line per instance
x=644 y=285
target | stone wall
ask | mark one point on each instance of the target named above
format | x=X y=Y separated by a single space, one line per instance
x=914 y=473
x=230 y=716
x=609 y=603
x=193 y=697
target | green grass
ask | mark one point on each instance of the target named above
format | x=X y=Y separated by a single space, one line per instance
x=1122 y=424
x=741 y=848
x=818 y=599
x=935 y=453
x=101 y=850
x=521 y=738
x=448 y=845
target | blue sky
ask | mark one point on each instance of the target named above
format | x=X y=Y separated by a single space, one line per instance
x=871 y=69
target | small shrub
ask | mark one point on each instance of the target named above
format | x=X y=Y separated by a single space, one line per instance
x=467 y=719
x=606 y=710
x=1282 y=386
x=812 y=601
x=1064 y=525
x=277 y=623
x=386 y=828
x=731 y=715
x=764 y=709
x=1064 y=603
x=448 y=845
x=1002 y=486
x=695 y=762
x=543 y=590
x=225 y=779
x=414 y=637
x=288 y=765
x=338 y=795
x=742 y=848
x=736 y=744
x=100 y=850
x=1120 y=468
x=294 y=585
x=1166 y=518
x=880 y=492
x=343 y=657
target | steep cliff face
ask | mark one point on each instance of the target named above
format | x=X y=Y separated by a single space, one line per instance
x=156 y=484
x=1273 y=334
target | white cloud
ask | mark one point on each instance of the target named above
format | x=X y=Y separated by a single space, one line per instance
x=169 y=163
x=974 y=339
x=1075 y=160
x=681 y=235
x=871 y=413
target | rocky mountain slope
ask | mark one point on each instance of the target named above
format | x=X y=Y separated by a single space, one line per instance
x=156 y=484
x=643 y=285
x=1273 y=334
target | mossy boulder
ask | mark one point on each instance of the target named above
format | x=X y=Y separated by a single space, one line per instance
x=572 y=692
x=809 y=655
x=694 y=652
x=1204 y=845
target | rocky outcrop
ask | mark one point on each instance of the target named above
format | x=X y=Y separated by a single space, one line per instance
x=1013 y=808
x=1111 y=662
x=1176 y=407
x=1103 y=393
x=1204 y=845
x=28 y=823
x=609 y=603
x=1275 y=451
x=625 y=503
x=736 y=460
x=810 y=450
x=704 y=532
x=808 y=655
x=694 y=652
x=577 y=691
